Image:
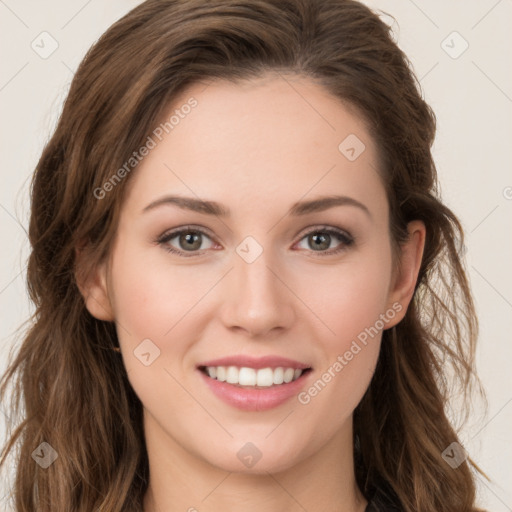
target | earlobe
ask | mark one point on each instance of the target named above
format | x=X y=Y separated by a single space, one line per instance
x=94 y=289
x=404 y=282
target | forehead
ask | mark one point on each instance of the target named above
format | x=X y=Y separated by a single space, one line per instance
x=263 y=141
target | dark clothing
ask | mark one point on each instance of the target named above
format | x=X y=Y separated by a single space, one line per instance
x=373 y=507
x=380 y=502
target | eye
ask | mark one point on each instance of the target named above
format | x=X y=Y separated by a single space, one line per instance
x=320 y=239
x=188 y=239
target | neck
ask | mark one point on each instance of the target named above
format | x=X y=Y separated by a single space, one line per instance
x=182 y=481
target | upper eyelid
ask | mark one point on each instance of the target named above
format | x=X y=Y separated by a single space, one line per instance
x=171 y=233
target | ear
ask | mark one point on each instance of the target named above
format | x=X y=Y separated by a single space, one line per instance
x=92 y=283
x=405 y=277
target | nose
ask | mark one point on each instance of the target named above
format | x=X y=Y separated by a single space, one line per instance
x=258 y=299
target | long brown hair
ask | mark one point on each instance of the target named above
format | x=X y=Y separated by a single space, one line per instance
x=73 y=386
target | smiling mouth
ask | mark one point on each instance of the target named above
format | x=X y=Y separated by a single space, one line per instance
x=245 y=377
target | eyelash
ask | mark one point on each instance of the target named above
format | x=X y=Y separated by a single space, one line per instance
x=346 y=239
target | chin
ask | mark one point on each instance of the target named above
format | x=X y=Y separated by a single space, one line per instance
x=256 y=458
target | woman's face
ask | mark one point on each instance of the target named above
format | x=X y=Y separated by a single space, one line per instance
x=281 y=273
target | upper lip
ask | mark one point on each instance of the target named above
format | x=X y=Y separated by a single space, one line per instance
x=256 y=362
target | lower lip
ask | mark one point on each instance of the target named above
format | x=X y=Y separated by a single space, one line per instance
x=254 y=399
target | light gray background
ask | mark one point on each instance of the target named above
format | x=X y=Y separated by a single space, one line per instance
x=471 y=94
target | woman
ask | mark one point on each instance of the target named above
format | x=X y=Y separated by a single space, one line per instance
x=248 y=291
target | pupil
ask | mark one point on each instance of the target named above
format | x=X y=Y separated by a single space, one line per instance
x=190 y=239
x=323 y=239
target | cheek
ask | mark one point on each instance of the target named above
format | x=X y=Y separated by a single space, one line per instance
x=350 y=353
x=154 y=311
x=150 y=296
x=157 y=306
x=353 y=305
x=351 y=298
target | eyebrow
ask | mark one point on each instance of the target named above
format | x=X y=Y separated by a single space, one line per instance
x=299 y=208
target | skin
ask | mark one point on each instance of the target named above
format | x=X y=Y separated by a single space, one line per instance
x=257 y=147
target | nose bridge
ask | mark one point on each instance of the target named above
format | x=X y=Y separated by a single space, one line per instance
x=259 y=301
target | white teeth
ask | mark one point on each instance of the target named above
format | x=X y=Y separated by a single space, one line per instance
x=264 y=377
x=247 y=377
x=278 y=376
x=288 y=375
x=221 y=372
x=232 y=375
